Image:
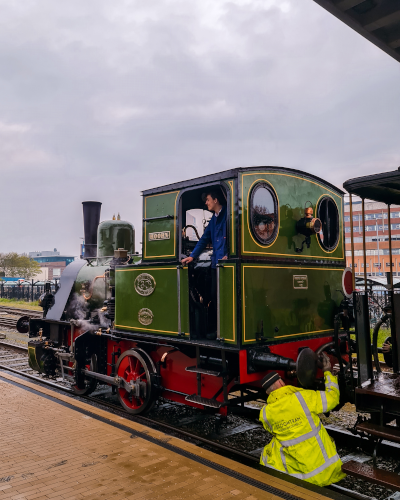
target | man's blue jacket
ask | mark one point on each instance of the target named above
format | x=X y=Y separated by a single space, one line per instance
x=214 y=233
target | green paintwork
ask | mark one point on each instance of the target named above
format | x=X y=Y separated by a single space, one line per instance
x=293 y=191
x=228 y=302
x=158 y=206
x=114 y=234
x=269 y=298
x=184 y=280
x=232 y=213
x=163 y=302
x=264 y=294
x=100 y=286
x=33 y=362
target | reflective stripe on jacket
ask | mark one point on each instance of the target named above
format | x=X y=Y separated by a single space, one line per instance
x=301 y=446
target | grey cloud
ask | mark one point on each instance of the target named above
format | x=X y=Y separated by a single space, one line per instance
x=101 y=100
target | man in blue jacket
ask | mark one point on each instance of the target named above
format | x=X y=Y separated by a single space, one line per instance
x=215 y=233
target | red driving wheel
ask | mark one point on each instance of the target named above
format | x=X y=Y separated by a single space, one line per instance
x=136 y=367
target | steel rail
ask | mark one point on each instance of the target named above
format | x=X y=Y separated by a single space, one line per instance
x=336 y=432
x=19 y=311
x=147 y=420
x=15 y=347
x=136 y=418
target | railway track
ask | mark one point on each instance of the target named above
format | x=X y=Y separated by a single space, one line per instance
x=15 y=360
x=10 y=315
x=19 y=311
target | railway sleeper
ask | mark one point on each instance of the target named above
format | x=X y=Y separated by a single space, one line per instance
x=372 y=474
x=369 y=472
x=380 y=431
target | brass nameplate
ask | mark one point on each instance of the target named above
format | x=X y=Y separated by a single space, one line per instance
x=145 y=284
x=145 y=316
x=300 y=282
x=162 y=235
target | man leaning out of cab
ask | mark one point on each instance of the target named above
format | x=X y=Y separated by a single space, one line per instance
x=300 y=445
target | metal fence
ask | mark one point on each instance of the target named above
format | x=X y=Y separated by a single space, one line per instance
x=28 y=292
x=378 y=299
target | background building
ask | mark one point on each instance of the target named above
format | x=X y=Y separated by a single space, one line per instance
x=52 y=263
x=376 y=237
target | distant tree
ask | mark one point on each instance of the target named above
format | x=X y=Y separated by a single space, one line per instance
x=8 y=264
x=28 y=268
x=14 y=265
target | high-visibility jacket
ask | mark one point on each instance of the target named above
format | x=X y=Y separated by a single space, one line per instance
x=301 y=446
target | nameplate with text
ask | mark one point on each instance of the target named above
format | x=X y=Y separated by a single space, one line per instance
x=300 y=282
x=161 y=235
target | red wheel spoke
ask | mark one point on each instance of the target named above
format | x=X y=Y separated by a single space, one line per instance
x=132 y=368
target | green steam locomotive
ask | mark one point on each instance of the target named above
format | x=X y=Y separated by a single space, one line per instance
x=141 y=323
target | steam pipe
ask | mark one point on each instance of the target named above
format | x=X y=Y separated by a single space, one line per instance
x=91 y=220
x=88 y=297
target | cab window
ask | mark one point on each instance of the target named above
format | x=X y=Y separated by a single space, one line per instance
x=263 y=213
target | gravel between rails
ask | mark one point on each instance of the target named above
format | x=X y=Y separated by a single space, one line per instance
x=197 y=425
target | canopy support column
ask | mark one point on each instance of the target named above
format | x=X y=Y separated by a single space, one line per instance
x=364 y=247
x=353 y=272
x=395 y=303
x=390 y=248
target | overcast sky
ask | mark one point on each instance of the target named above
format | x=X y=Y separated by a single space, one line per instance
x=100 y=100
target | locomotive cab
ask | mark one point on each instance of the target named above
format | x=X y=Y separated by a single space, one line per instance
x=193 y=220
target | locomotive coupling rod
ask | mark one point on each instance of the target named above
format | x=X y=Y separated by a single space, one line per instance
x=115 y=381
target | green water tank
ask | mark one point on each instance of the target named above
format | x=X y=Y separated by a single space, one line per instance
x=114 y=234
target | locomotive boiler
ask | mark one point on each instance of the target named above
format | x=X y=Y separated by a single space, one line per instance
x=141 y=323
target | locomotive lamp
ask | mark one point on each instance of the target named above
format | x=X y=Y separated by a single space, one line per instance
x=308 y=225
x=46 y=300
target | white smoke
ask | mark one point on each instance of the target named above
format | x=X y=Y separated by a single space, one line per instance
x=78 y=311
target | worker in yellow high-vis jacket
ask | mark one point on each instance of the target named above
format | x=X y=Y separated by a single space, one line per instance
x=301 y=446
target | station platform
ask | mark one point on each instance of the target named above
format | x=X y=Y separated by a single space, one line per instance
x=55 y=447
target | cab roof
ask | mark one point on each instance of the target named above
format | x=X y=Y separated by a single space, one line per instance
x=229 y=174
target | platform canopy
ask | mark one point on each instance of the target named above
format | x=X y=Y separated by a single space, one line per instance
x=383 y=187
x=377 y=20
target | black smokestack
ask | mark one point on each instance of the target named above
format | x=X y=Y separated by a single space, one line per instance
x=91 y=220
